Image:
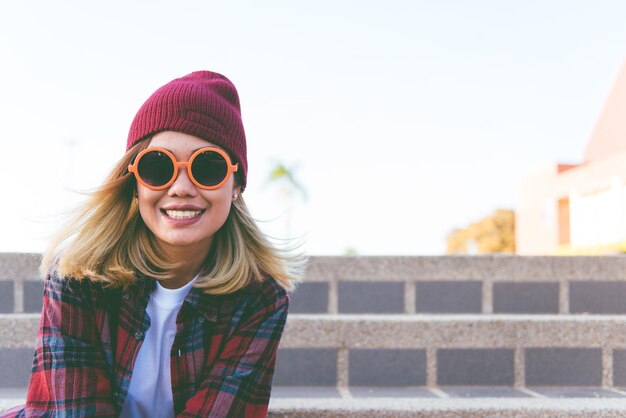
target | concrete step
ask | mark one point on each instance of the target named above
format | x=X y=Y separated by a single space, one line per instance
x=446 y=408
x=509 y=350
x=428 y=402
x=428 y=285
x=414 y=350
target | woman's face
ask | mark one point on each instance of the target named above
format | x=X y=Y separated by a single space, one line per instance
x=172 y=214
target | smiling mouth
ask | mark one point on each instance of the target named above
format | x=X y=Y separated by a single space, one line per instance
x=182 y=214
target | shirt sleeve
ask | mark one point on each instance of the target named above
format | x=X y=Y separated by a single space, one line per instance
x=69 y=374
x=239 y=383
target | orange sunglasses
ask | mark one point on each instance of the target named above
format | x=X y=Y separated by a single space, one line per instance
x=208 y=168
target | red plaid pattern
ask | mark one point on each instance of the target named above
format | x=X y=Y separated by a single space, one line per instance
x=222 y=358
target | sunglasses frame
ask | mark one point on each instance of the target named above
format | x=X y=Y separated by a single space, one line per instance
x=231 y=168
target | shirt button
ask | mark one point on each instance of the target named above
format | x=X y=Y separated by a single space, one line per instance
x=138 y=335
x=125 y=296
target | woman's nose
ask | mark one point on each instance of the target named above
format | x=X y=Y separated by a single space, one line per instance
x=182 y=186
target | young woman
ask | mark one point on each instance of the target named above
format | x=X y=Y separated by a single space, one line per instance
x=162 y=297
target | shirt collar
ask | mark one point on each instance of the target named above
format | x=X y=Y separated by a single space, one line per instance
x=203 y=304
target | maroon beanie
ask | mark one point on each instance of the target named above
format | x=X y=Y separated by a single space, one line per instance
x=203 y=104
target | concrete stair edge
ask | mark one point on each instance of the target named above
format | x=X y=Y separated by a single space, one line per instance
x=409 y=331
x=444 y=408
x=440 y=408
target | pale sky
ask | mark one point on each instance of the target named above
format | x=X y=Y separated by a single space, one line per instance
x=405 y=119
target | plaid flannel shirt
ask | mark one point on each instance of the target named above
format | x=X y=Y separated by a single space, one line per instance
x=222 y=358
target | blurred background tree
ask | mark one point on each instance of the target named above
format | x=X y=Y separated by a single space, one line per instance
x=492 y=234
x=284 y=179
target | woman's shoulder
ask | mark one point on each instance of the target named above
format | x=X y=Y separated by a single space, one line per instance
x=266 y=292
x=66 y=287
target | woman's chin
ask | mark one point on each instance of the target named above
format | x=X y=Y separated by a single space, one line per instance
x=185 y=242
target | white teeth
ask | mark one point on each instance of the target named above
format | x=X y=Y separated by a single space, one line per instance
x=183 y=214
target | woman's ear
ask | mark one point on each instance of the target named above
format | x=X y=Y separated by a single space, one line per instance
x=236 y=192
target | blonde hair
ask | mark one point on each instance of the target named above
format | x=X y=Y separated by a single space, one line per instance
x=106 y=240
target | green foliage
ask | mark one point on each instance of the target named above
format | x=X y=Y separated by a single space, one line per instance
x=281 y=174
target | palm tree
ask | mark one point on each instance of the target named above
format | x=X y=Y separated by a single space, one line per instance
x=283 y=177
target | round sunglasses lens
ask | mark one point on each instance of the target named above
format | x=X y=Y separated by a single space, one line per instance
x=155 y=168
x=209 y=168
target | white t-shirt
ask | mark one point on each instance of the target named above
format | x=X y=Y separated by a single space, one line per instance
x=150 y=391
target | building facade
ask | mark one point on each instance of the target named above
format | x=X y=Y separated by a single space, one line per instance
x=580 y=208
